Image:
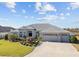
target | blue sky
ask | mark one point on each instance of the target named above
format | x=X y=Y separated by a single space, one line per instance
x=17 y=14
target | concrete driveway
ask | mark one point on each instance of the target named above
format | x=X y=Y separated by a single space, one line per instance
x=54 y=49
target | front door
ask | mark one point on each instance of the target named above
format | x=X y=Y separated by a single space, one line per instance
x=30 y=33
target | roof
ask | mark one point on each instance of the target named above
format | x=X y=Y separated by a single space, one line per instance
x=46 y=28
x=14 y=30
x=58 y=32
x=26 y=27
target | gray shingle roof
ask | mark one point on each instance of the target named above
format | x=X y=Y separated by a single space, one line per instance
x=26 y=27
x=44 y=27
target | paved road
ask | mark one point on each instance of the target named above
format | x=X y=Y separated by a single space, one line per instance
x=54 y=49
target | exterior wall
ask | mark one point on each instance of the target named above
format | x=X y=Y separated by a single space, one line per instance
x=24 y=32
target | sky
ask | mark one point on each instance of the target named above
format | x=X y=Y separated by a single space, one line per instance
x=17 y=14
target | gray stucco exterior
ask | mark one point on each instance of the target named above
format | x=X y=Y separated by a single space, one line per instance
x=24 y=33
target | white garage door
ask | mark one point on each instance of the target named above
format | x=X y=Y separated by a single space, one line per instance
x=55 y=37
x=51 y=38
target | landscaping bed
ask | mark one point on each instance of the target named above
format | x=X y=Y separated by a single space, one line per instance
x=15 y=49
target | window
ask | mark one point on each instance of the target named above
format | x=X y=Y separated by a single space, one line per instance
x=20 y=34
x=30 y=33
x=24 y=34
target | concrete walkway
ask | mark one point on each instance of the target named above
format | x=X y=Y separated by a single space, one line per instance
x=54 y=49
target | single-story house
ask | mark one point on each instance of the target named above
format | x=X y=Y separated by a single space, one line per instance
x=48 y=32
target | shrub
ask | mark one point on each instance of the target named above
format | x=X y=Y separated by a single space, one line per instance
x=6 y=37
x=73 y=39
x=30 y=42
x=23 y=41
x=13 y=37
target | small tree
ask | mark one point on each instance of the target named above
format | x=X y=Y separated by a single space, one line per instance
x=73 y=39
x=6 y=37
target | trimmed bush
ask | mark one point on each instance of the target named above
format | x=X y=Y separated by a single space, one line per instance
x=13 y=37
x=73 y=39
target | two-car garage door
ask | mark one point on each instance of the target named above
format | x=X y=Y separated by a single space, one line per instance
x=55 y=38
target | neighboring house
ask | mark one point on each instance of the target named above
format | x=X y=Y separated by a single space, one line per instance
x=48 y=32
x=2 y=34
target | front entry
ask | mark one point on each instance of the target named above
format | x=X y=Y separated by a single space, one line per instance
x=30 y=33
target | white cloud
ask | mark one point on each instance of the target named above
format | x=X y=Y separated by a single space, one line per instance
x=11 y=5
x=44 y=7
x=26 y=17
x=68 y=14
x=48 y=18
x=74 y=5
x=42 y=12
x=49 y=7
x=38 y=6
x=68 y=8
x=51 y=17
x=17 y=15
x=13 y=10
x=23 y=11
x=32 y=16
x=62 y=17
x=61 y=14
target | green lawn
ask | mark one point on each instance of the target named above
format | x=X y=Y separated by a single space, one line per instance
x=15 y=49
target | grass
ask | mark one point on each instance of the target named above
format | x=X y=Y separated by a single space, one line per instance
x=77 y=37
x=15 y=49
x=76 y=46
